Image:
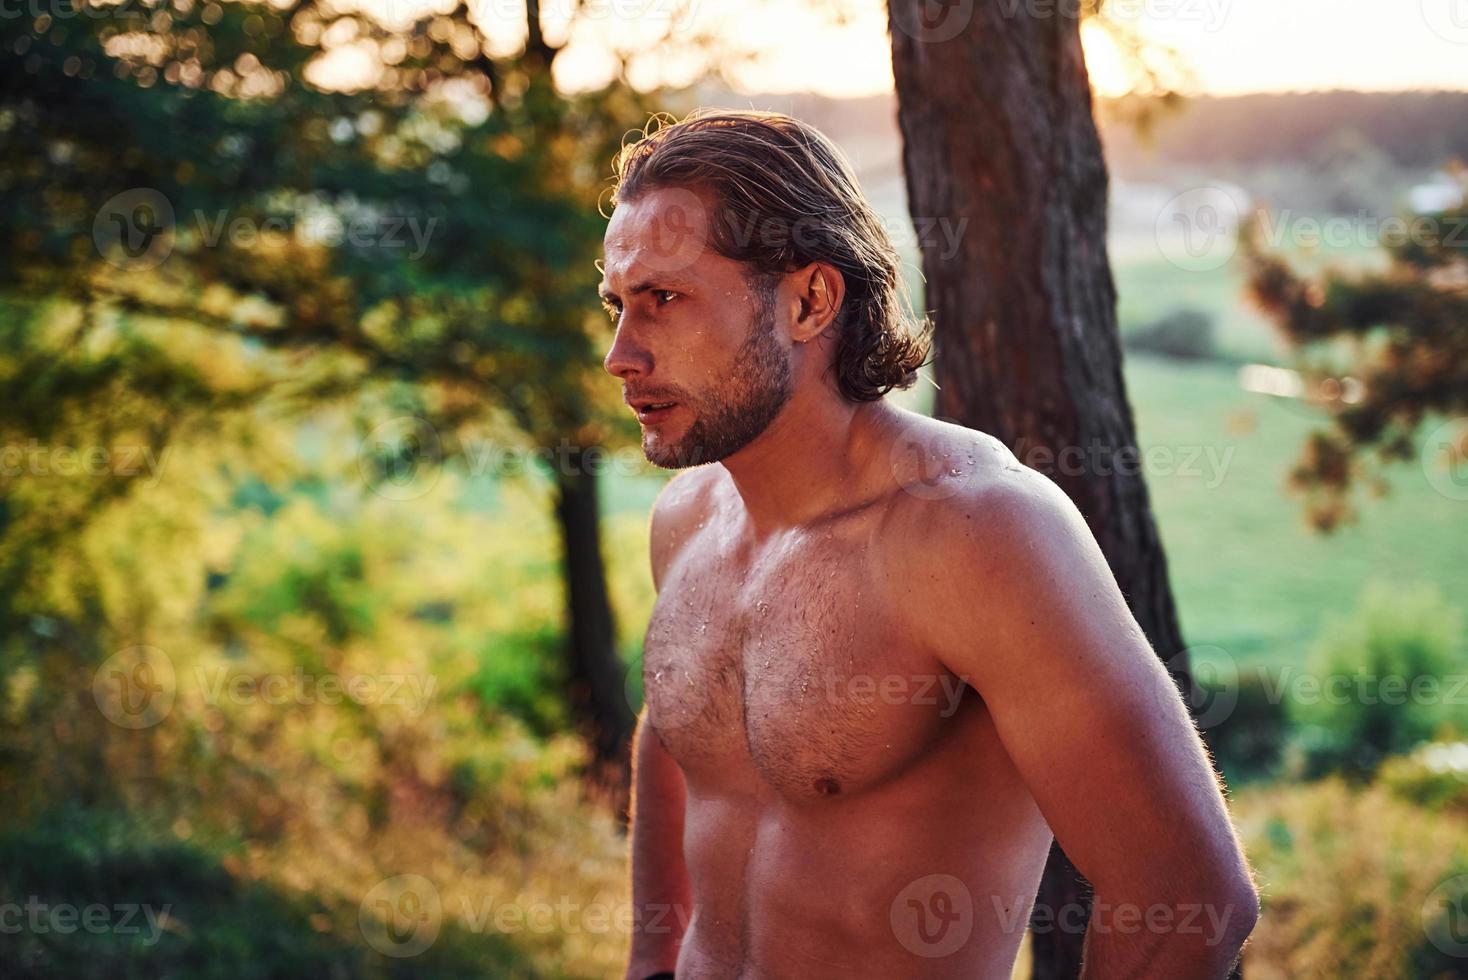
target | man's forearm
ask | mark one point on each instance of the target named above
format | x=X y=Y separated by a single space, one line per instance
x=1166 y=941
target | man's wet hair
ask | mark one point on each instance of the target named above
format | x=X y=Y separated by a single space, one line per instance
x=783 y=195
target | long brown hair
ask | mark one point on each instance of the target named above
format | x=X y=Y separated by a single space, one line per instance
x=785 y=196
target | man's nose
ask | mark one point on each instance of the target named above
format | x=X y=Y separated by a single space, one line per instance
x=627 y=357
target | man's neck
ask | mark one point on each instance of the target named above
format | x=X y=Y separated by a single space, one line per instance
x=822 y=455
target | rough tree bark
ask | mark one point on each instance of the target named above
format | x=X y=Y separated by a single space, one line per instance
x=996 y=118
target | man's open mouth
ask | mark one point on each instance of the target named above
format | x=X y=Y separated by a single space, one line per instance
x=648 y=412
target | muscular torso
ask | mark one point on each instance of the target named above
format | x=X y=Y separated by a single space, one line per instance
x=851 y=811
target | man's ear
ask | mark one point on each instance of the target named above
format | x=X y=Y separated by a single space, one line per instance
x=819 y=288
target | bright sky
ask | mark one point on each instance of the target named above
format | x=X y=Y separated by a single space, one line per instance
x=1229 y=46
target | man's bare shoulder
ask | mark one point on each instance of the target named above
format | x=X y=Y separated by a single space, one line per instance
x=682 y=506
x=954 y=478
x=969 y=514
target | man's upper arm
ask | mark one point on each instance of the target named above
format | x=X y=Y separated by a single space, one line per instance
x=1026 y=609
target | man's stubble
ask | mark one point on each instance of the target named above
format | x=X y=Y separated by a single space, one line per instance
x=730 y=417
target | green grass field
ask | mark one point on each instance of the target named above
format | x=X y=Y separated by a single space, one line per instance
x=1249 y=574
x=1148 y=287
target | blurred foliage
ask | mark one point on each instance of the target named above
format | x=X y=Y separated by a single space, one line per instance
x=193 y=344
x=1381 y=683
x=1354 y=882
x=1401 y=334
x=1184 y=334
x=1435 y=777
x=437 y=227
x=172 y=910
x=1248 y=745
x=319 y=796
x=1385 y=678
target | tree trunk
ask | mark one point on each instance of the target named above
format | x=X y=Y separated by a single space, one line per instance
x=597 y=679
x=999 y=141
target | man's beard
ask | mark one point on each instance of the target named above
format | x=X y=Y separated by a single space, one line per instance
x=730 y=418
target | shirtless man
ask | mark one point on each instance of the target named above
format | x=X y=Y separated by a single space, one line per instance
x=887 y=662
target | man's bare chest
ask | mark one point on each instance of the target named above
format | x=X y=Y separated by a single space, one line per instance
x=791 y=669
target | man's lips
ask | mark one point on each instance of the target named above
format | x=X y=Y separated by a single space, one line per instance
x=649 y=412
x=640 y=402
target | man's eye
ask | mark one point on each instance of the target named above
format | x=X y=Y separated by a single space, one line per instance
x=668 y=293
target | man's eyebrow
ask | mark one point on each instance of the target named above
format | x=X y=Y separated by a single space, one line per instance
x=642 y=287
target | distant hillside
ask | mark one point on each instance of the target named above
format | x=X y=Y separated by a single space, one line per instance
x=1328 y=152
x=1418 y=130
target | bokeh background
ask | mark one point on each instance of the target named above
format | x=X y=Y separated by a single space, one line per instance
x=323 y=559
